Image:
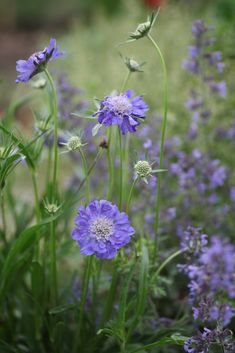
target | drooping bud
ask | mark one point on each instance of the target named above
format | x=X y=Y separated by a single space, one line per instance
x=132 y=65
x=39 y=83
x=144 y=28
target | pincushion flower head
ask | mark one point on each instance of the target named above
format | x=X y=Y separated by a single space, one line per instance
x=102 y=229
x=123 y=110
x=37 y=62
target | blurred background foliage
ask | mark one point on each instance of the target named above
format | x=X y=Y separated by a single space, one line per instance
x=90 y=31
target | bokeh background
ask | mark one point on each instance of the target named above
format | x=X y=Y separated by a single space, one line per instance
x=89 y=30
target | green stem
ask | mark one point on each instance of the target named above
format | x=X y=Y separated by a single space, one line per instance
x=110 y=165
x=36 y=197
x=48 y=174
x=111 y=296
x=164 y=123
x=120 y=168
x=4 y=223
x=55 y=143
x=85 y=169
x=85 y=285
x=167 y=261
x=130 y=195
x=125 y=81
x=53 y=269
x=37 y=208
x=126 y=164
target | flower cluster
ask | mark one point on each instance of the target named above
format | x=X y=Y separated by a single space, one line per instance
x=212 y=277
x=102 y=229
x=202 y=342
x=193 y=240
x=208 y=66
x=123 y=110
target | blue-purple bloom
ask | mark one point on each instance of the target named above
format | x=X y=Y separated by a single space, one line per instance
x=193 y=240
x=102 y=229
x=202 y=342
x=37 y=62
x=123 y=110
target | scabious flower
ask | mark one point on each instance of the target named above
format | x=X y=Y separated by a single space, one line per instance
x=102 y=229
x=123 y=110
x=37 y=62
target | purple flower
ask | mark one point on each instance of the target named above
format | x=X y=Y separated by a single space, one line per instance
x=219 y=87
x=102 y=229
x=122 y=110
x=193 y=51
x=202 y=342
x=37 y=62
x=199 y=28
x=193 y=240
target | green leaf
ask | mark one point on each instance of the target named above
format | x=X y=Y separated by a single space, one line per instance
x=37 y=277
x=123 y=300
x=142 y=289
x=15 y=259
x=8 y=165
x=88 y=117
x=23 y=148
x=62 y=308
x=176 y=338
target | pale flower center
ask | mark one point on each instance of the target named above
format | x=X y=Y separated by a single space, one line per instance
x=120 y=104
x=102 y=228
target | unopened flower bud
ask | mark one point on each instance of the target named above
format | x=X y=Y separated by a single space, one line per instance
x=132 y=65
x=143 y=169
x=74 y=143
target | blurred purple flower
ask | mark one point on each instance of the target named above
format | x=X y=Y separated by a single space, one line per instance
x=37 y=62
x=193 y=240
x=219 y=87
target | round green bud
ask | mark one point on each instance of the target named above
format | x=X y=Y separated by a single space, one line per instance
x=74 y=143
x=143 y=169
x=51 y=208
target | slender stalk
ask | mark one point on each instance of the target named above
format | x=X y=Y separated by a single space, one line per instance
x=85 y=169
x=130 y=195
x=4 y=223
x=55 y=143
x=48 y=174
x=126 y=150
x=53 y=269
x=36 y=197
x=126 y=164
x=110 y=165
x=85 y=285
x=111 y=296
x=167 y=261
x=164 y=123
x=37 y=208
x=120 y=169
x=125 y=81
